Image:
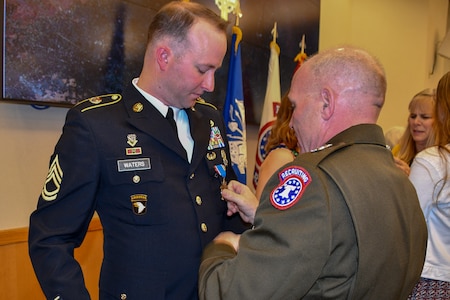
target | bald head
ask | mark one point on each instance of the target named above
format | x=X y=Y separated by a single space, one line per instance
x=334 y=90
x=350 y=70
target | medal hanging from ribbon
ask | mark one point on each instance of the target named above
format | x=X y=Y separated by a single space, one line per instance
x=221 y=170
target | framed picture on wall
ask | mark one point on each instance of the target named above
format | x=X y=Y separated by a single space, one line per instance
x=60 y=52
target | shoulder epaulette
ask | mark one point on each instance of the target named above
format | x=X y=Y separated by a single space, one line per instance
x=98 y=101
x=200 y=100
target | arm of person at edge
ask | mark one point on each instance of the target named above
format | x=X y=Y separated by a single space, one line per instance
x=271 y=243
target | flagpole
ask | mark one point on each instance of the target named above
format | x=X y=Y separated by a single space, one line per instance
x=272 y=101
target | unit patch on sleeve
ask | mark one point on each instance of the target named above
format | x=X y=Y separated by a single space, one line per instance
x=293 y=182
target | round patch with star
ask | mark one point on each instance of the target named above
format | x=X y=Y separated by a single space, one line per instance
x=293 y=182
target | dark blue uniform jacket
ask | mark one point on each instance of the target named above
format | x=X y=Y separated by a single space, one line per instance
x=118 y=156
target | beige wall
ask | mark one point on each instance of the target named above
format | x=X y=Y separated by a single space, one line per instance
x=402 y=33
x=27 y=139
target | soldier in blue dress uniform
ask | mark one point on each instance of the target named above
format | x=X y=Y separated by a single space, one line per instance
x=155 y=188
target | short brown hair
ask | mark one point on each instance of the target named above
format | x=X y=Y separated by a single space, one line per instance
x=177 y=17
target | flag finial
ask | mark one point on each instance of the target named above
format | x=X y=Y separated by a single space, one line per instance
x=301 y=56
x=229 y=6
x=273 y=43
x=302 y=44
x=237 y=12
x=274 y=33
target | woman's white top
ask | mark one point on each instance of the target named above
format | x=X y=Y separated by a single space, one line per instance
x=428 y=172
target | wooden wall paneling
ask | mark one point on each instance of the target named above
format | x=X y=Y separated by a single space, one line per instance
x=17 y=278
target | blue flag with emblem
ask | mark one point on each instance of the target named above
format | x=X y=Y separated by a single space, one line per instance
x=234 y=111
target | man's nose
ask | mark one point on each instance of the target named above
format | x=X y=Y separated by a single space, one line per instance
x=208 y=83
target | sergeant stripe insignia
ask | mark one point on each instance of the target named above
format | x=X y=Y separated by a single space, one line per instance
x=53 y=181
x=293 y=182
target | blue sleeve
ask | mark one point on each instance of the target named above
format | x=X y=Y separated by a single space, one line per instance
x=65 y=208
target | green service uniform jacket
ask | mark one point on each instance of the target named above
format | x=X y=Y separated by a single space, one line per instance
x=341 y=222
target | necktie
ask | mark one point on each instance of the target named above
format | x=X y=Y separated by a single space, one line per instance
x=171 y=120
x=180 y=124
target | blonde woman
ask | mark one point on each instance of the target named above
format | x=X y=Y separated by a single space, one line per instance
x=419 y=131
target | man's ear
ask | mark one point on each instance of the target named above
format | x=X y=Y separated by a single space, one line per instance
x=328 y=103
x=162 y=57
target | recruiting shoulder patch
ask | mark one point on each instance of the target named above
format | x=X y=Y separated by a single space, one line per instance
x=293 y=182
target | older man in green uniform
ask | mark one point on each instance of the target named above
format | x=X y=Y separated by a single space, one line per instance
x=341 y=221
